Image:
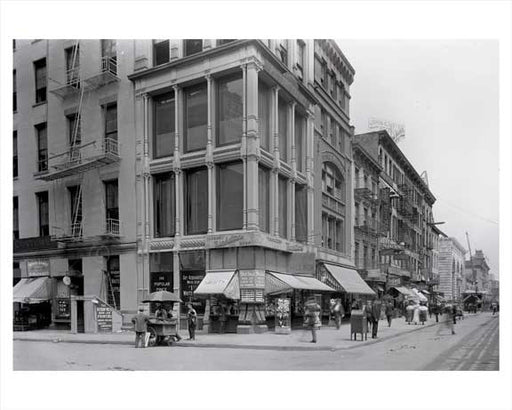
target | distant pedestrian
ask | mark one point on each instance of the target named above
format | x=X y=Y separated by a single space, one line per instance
x=192 y=322
x=369 y=314
x=376 y=311
x=494 y=308
x=389 y=313
x=423 y=313
x=338 y=312
x=454 y=313
x=221 y=312
x=140 y=322
x=436 y=309
x=312 y=317
x=409 y=312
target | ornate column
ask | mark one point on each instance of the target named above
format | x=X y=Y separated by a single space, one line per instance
x=146 y=177
x=291 y=185
x=310 y=144
x=274 y=185
x=243 y=145
x=209 y=155
x=177 y=166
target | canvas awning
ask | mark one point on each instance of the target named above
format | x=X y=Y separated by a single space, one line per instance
x=276 y=283
x=349 y=280
x=419 y=295
x=220 y=283
x=32 y=290
x=403 y=290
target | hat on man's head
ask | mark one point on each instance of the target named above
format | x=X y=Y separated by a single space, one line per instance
x=141 y=308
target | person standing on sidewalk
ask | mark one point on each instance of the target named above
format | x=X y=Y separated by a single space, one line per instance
x=389 y=313
x=192 y=322
x=140 y=322
x=339 y=313
x=376 y=311
x=312 y=317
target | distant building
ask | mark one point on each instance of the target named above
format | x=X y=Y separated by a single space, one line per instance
x=477 y=272
x=451 y=268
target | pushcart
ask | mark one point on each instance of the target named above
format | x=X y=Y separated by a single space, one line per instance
x=162 y=331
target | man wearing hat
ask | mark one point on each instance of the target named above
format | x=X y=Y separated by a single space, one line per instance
x=140 y=325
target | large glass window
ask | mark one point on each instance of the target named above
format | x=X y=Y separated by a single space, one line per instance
x=196 y=117
x=42 y=147
x=196 y=201
x=15 y=218
x=230 y=110
x=164 y=125
x=283 y=207
x=43 y=214
x=264 y=198
x=300 y=125
x=283 y=129
x=111 y=121
x=15 y=154
x=264 y=107
x=164 y=205
x=230 y=196
x=160 y=52
x=301 y=213
x=193 y=47
x=40 y=71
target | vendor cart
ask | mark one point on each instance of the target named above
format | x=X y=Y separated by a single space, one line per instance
x=162 y=331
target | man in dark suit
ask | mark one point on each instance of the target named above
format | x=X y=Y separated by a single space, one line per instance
x=376 y=309
x=140 y=325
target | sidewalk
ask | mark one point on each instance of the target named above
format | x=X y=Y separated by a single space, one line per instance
x=328 y=337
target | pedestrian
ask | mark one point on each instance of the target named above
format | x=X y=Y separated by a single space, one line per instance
x=376 y=311
x=312 y=317
x=454 y=313
x=389 y=313
x=409 y=312
x=423 y=312
x=436 y=308
x=140 y=322
x=221 y=312
x=192 y=322
x=494 y=308
x=339 y=313
x=369 y=315
x=161 y=313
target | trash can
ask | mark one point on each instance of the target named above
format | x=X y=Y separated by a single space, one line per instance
x=358 y=324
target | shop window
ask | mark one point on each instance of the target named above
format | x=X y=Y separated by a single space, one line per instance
x=164 y=125
x=193 y=47
x=264 y=198
x=41 y=81
x=111 y=121
x=42 y=147
x=43 y=214
x=283 y=207
x=16 y=273
x=300 y=131
x=229 y=110
x=15 y=154
x=113 y=278
x=160 y=52
x=196 y=117
x=283 y=129
x=161 y=267
x=192 y=272
x=264 y=114
x=164 y=202
x=229 y=196
x=196 y=201
x=301 y=213
x=15 y=218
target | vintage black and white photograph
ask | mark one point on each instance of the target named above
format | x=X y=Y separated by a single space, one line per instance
x=254 y=204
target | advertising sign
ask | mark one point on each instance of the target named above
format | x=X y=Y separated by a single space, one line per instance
x=38 y=267
x=103 y=318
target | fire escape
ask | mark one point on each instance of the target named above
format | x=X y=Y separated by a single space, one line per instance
x=81 y=157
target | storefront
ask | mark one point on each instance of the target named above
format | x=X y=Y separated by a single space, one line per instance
x=32 y=303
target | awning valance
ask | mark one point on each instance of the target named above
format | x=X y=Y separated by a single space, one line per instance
x=220 y=283
x=276 y=283
x=32 y=290
x=349 y=280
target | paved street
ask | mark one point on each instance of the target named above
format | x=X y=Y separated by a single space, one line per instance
x=473 y=347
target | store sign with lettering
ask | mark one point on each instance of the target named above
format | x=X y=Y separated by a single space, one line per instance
x=104 y=318
x=38 y=267
x=161 y=281
x=63 y=308
x=189 y=283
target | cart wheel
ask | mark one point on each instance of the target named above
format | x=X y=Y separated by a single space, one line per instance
x=152 y=337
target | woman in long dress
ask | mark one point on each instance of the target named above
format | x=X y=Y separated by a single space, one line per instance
x=416 y=315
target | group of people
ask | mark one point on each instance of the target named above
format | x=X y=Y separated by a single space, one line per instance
x=140 y=323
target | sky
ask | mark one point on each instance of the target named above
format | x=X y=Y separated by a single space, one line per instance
x=446 y=95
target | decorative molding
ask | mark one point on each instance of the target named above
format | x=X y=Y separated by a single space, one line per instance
x=157 y=244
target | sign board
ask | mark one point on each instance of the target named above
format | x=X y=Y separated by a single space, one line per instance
x=63 y=308
x=38 y=267
x=189 y=283
x=161 y=281
x=252 y=296
x=103 y=318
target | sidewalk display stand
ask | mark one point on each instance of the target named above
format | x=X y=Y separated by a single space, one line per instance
x=282 y=318
x=358 y=324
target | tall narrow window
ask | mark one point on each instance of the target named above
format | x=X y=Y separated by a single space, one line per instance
x=318 y=71
x=264 y=198
x=300 y=58
x=112 y=206
x=15 y=154
x=40 y=72
x=43 y=214
x=301 y=214
x=283 y=207
x=42 y=147
x=283 y=129
x=111 y=122
x=196 y=201
x=264 y=107
x=73 y=66
x=15 y=218
x=193 y=47
x=196 y=117
x=14 y=92
x=339 y=235
x=109 y=56
x=164 y=203
x=75 y=200
x=160 y=52
x=230 y=110
x=164 y=125
x=300 y=125
x=230 y=196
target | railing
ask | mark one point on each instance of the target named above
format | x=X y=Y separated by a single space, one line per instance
x=109 y=65
x=76 y=230
x=112 y=227
x=333 y=203
x=79 y=153
x=73 y=77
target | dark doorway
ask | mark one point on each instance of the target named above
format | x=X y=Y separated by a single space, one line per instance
x=80 y=326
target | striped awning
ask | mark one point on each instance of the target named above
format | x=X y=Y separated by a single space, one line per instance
x=349 y=280
x=276 y=283
x=220 y=283
x=32 y=290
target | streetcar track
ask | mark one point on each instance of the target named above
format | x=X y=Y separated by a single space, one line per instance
x=478 y=349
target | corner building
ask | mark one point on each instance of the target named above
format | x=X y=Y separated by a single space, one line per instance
x=241 y=145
